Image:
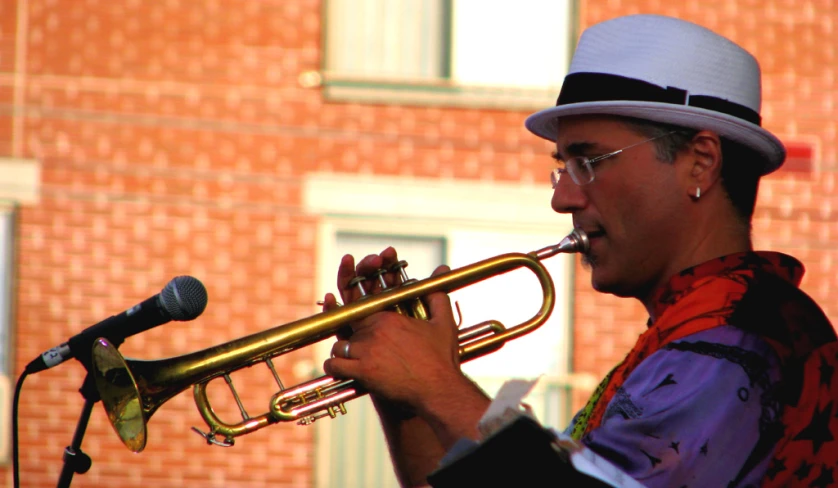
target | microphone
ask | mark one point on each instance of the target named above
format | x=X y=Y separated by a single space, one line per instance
x=183 y=298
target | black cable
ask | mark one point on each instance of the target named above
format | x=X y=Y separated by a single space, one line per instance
x=15 y=460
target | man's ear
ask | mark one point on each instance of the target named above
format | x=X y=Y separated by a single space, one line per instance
x=704 y=157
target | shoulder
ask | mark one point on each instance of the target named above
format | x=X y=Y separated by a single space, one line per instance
x=780 y=311
x=698 y=402
x=710 y=359
x=727 y=343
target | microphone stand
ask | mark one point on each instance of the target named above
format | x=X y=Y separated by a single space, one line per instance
x=75 y=460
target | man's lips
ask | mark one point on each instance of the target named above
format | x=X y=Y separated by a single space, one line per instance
x=593 y=233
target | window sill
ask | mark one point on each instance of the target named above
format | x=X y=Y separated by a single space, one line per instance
x=437 y=93
x=20 y=180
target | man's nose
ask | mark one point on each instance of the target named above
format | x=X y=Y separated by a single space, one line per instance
x=568 y=196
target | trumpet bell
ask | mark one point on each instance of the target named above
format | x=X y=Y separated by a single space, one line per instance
x=120 y=394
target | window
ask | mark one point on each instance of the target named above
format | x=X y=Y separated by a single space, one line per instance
x=478 y=52
x=351 y=450
x=6 y=277
x=355 y=454
x=20 y=184
x=6 y=366
x=456 y=223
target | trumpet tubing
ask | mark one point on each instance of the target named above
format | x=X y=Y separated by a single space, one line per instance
x=132 y=390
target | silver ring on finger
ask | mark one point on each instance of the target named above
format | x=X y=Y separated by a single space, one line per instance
x=346 y=350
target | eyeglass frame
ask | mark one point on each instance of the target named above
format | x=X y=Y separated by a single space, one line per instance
x=556 y=173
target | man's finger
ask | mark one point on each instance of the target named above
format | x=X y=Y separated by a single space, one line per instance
x=329 y=302
x=369 y=263
x=439 y=304
x=346 y=272
x=439 y=308
x=341 y=368
x=342 y=349
x=441 y=269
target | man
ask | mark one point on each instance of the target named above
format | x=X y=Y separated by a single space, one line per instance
x=659 y=150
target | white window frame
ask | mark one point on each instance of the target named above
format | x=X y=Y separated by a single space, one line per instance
x=425 y=207
x=20 y=184
x=7 y=280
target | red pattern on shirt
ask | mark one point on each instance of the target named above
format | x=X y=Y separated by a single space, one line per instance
x=712 y=294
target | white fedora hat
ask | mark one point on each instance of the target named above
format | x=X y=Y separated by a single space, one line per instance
x=666 y=70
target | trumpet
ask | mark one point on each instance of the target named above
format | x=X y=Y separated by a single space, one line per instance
x=132 y=390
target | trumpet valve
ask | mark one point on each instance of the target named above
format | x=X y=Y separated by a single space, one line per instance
x=359 y=282
x=378 y=275
x=399 y=268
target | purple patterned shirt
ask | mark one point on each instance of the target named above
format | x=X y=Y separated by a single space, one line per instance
x=690 y=414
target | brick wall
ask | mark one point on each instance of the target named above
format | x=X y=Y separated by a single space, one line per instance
x=173 y=136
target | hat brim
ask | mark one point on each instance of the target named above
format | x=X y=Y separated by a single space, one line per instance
x=545 y=124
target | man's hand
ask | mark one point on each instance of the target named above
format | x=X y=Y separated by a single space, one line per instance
x=394 y=356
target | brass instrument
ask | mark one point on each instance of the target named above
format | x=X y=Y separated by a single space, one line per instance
x=132 y=390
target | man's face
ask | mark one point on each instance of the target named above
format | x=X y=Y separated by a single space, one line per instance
x=633 y=211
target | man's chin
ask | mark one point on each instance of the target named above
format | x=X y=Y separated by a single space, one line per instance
x=612 y=286
x=600 y=281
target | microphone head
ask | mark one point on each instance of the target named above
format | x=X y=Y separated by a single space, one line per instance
x=184 y=298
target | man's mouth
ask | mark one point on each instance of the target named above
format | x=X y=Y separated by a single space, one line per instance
x=593 y=233
x=589 y=259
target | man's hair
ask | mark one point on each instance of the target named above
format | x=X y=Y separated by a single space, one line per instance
x=740 y=168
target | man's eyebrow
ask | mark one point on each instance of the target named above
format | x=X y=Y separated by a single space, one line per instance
x=575 y=149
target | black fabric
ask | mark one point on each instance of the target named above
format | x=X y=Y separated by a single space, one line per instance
x=601 y=87
x=522 y=454
x=789 y=319
x=781 y=312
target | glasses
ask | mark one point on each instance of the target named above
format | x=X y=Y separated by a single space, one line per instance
x=580 y=168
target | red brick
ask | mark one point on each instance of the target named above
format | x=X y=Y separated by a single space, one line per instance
x=174 y=137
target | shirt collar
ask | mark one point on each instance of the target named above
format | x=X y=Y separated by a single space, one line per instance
x=776 y=263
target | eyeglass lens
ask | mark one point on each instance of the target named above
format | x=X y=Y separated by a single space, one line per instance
x=580 y=172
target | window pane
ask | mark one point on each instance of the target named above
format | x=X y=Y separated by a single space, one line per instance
x=6 y=275
x=494 y=53
x=513 y=298
x=386 y=40
x=357 y=452
x=514 y=44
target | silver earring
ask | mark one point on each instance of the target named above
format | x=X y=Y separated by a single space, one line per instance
x=697 y=192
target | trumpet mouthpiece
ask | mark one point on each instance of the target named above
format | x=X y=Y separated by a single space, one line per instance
x=576 y=241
